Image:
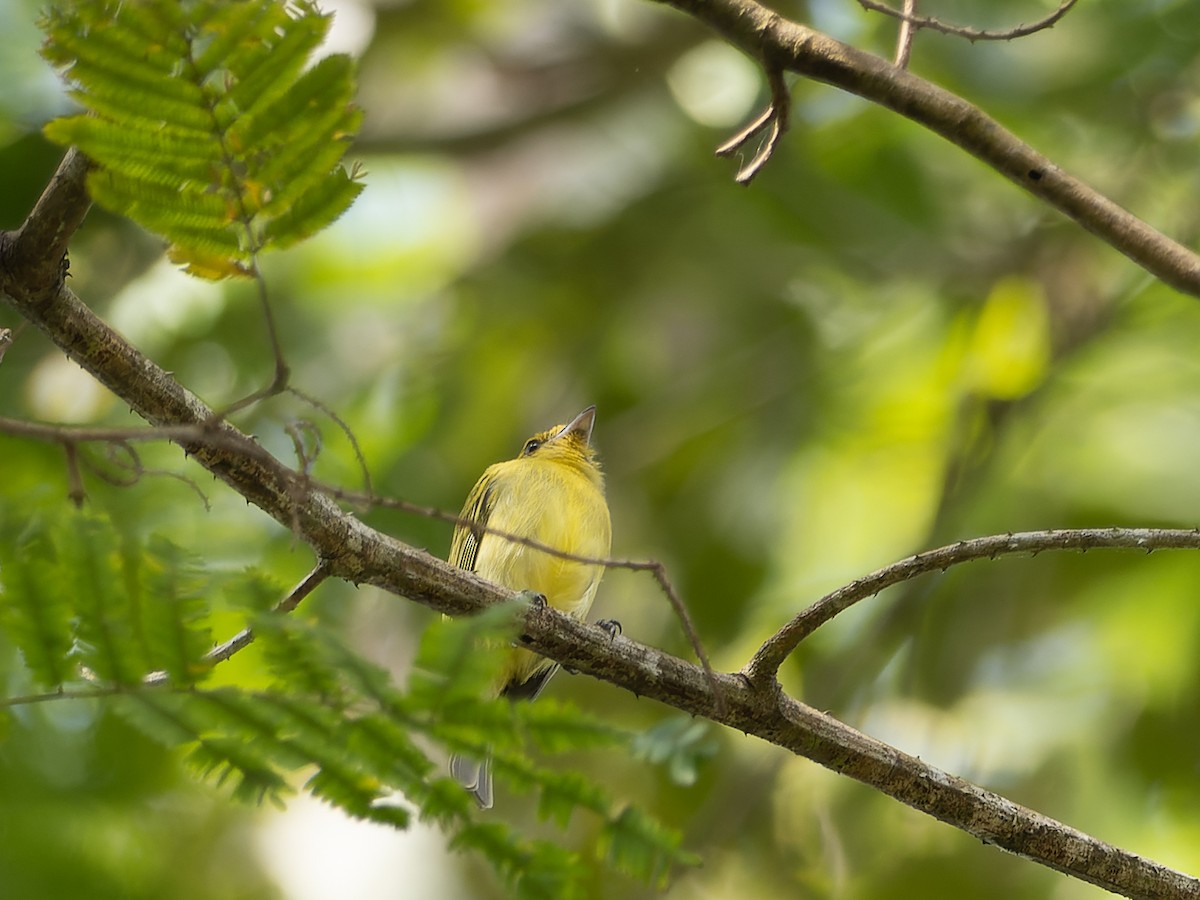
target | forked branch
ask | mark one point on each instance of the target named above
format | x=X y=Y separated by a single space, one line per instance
x=779 y=44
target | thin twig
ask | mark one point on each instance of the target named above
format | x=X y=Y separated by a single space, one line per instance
x=346 y=430
x=689 y=627
x=282 y=372
x=971 y=34
x=80 y=434
x=904 y=38
x=771 y=655
x=775 y=116
x=245 y=637
x=133 y=465
x=89 y=693
x=75 y=489
x=305 y=457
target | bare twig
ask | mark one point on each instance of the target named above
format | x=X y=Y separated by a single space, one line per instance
x=306 y=456
x=346 y=430
x=245 y=637
x=88 y=693
x=125 y=457
x=908 y=17
x=74 y=480
x=121 y=452
x=81 y=434
x=904 y=38
x=779 y=646
x=774 y=118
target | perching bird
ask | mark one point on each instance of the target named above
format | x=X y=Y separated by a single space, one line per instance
x=552 y=493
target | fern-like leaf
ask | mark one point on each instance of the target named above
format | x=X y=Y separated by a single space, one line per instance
x=35 y=609
x=108 y=639
x=636 y=844
x=205 y=123
x=173 y=611
x=532 y=869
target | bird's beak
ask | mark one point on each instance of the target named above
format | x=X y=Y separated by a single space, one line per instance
x=581 y=425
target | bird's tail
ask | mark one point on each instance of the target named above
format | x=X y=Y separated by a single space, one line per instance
x=475 y=776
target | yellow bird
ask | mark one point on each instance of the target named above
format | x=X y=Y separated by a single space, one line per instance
x=552 y=493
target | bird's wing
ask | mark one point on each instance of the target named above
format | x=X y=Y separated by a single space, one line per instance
x=464 y=546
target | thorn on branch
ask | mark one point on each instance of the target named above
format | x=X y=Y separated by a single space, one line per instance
x=773 y=120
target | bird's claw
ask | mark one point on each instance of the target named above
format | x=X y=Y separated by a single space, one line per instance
x=612 y=626
x=534 y=598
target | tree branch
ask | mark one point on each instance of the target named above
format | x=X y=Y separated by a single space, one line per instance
x=770 y=656
x=780 y=44
x=349 y=549
x=908 y=17
x=31 y=257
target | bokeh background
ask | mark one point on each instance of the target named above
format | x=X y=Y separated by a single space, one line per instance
x=881 y=346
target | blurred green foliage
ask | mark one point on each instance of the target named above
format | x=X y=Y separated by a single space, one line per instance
x=878 y=347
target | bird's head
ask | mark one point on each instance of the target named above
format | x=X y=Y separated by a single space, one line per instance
x=569 y=444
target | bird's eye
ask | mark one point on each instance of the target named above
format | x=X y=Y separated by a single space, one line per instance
x=531 y=446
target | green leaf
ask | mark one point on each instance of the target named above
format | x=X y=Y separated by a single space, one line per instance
x=639 y=846
x=680 y=742
x=109 y=639
x=531 y=869
x=205 y=124
x=458 y=660
x=174 y=611
x=557 y=727
x=35 y=610
x=296 y=660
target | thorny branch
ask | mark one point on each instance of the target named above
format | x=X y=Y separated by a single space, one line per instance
x=771 y=655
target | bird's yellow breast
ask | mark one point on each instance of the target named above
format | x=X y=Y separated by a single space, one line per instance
x=556 y=504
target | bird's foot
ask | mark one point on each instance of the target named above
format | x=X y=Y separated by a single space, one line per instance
x=533 y=598
x=612 y=626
